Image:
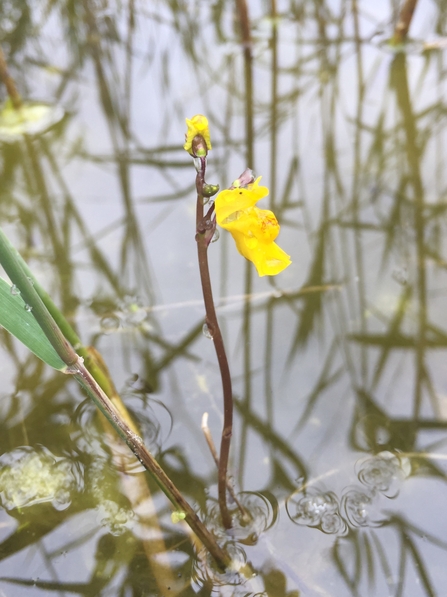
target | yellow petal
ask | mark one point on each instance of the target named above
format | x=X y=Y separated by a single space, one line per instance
x=253 y=229
x=268 y=258
x=198 y=125
x=231 y=201
x=260 y=223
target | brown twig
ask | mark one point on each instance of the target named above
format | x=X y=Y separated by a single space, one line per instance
x=403 y=22
x=135 y=443
x=205 y=227
x=9 y=82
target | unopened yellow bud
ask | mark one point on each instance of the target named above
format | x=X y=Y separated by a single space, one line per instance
x=198 y=125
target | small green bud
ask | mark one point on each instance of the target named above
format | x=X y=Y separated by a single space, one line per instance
x=209 y=190
x=178 y=516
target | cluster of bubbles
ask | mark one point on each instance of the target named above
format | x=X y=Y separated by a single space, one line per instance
x=101 y=484
x=317 y=509
x=130 y=314
x=205 y=571
x=380 y=475
x=30 y=476
x=255 y=514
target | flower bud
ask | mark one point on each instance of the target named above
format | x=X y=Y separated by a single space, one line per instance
x=209 y=190
x=197 y=128
x=198 y=147
x=246 y=178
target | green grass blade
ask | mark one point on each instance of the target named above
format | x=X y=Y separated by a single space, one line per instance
x=21 y=324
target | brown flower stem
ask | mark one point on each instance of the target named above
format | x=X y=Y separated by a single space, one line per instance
x=403 y=22
x=205 y=229
x=212 y=447
x=9 y=82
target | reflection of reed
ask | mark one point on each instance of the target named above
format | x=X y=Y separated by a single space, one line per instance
x=246 y=42
x=369 y=358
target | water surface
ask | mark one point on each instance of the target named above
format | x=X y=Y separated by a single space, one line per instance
x=338 y=363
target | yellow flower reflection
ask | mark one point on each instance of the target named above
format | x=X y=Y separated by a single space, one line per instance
x=254 y=230
x=198 y=125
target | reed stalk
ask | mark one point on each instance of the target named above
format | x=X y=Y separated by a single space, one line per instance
x=19 y=275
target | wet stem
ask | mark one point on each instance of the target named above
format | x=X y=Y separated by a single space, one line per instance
x=205 y=227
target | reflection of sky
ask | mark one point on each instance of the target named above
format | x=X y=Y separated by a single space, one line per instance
x=157 y=118
x=166 y=88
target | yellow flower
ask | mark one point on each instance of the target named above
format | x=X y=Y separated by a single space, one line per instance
x=198 y=125
x=253 y=229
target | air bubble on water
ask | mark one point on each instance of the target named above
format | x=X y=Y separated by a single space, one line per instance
x=400 y=275
x=28 y=308
x=206 y=332
x=14 y=290
x=109 y=324
x=216 y=236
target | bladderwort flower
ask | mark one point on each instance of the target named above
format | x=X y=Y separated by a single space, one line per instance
x=254 y=230
x=197 y=126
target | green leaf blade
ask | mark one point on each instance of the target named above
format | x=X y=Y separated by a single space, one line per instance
x=22 y=325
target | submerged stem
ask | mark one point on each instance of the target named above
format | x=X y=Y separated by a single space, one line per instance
x=403 y=22
x=9 y=82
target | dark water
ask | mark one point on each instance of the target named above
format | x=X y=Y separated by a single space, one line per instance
x=338 y=363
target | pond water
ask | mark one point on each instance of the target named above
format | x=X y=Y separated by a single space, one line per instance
x=338 y=363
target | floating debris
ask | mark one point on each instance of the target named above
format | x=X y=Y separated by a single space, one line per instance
x=29 y=477
x=32 y=118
